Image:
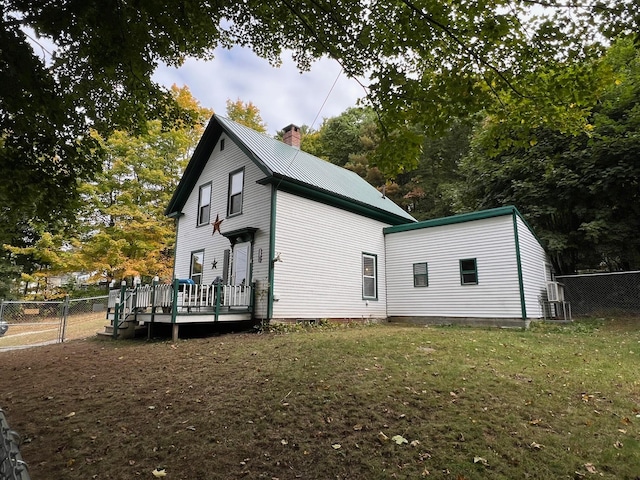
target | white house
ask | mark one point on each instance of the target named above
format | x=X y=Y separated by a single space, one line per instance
x=267 y=231
x=481 y=265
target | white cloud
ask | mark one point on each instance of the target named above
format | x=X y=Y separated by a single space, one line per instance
x=283 y=95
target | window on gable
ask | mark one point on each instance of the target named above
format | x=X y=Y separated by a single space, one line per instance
x=420 y=275
x=236 y=184
x=369 y=276
x=222 y=144
x=468 y=271
x=204 y=204
x=197 y=264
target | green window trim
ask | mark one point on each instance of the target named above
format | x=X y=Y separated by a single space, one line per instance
x=420 y=274
x=204 y=204
x=369 y=276
x=468 y=271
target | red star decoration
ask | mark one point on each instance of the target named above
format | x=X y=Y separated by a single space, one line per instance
x=216 y=225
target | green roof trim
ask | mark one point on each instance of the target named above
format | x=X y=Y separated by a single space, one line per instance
x=287 y=167
x=464 y=217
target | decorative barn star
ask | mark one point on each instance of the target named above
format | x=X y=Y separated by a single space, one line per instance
x=216 y=225
x=214 y=264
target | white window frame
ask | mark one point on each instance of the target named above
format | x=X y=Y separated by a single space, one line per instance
x=194 y=275
x=204 y=204
x=369 y=277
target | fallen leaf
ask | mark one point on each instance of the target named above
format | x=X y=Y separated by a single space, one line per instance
x=618 y=444
x=415 y=443
x=536 y=446
x=284 y=442
x=72 y=414
x=382 y=437
x=159 y=472
x=357 y=427
x=399 y=439
x=590 y=468
x=481 y=460
x=336 y=446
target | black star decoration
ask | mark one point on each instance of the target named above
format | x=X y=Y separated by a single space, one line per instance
x=214 y=264
x=216 y=225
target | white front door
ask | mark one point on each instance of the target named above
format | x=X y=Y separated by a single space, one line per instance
x=240 y=266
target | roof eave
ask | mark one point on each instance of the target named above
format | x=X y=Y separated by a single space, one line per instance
x=290 y=185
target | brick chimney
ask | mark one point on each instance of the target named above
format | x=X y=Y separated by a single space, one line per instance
x=292 y=136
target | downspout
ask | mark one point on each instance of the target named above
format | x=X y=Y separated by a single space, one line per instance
x=523 y=306
x=272 y=252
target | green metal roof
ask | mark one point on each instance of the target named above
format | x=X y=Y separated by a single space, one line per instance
x=290 y=169
x=464 y=217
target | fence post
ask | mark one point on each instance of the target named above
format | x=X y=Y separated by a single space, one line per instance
x=1 y=309
x=65 y=316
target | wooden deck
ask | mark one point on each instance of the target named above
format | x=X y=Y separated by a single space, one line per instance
x=178 y=303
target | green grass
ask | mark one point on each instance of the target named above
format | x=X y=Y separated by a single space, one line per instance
x=550 y=402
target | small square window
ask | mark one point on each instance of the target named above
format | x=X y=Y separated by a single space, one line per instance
x=468 y=271
x=420 y=275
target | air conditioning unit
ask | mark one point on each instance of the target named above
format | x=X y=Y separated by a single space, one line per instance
x=555 y=292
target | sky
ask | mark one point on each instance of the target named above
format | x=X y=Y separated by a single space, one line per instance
x=283 y=95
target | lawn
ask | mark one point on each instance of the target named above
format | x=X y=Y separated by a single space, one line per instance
x=356 y=402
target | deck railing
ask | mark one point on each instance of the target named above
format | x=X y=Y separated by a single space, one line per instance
x=189 y=296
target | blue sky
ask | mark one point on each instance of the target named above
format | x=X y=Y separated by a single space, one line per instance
x=283 y=95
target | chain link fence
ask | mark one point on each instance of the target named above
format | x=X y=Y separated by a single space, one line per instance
x=12 y=467
x=600 y=293
x=32 y=323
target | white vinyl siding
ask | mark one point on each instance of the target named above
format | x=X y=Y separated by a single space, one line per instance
x=490 y=241
x=321 y=248
x=534 y=264
x=256 y=214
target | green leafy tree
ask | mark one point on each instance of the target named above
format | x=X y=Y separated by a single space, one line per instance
x=246 y=114
x=581 y=193
x=427 y=60
x=121 y=230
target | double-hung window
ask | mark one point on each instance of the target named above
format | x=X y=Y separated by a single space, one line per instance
x=204 y=204
x=468 y=271
x=197 y=264
x=236 y=185
x=369 y=276
x=420 y=275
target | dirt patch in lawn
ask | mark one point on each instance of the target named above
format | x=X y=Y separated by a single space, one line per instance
x=373 y=402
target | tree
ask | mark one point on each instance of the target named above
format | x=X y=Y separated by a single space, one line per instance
x=246 y=114
x=428 y=61
x=580 y=193
x=121 y=230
